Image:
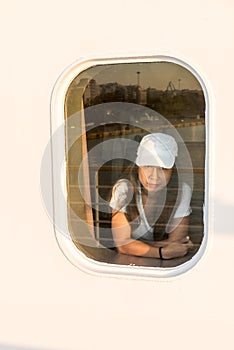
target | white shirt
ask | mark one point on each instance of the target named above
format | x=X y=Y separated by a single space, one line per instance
x=121 y=195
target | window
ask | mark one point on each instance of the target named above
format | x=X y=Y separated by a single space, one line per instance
x=109 y=107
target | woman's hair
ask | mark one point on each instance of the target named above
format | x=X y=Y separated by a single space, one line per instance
x=131 y=174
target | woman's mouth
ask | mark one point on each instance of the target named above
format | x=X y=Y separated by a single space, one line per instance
x=153 y=185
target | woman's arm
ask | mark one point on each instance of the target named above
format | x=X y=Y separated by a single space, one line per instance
x=121 y=231
x=126 y=245
x=178 y=233
x=179 y=229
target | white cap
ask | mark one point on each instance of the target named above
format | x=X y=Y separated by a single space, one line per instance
x=157 y=150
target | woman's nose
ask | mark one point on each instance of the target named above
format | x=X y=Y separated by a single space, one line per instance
x=154 y=173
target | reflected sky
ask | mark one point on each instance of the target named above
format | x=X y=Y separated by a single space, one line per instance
x=155 y=75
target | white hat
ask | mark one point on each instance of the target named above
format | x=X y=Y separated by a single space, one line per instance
x=157 y=150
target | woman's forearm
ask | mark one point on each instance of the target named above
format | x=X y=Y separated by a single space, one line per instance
x=138 y=248
x=167 y=251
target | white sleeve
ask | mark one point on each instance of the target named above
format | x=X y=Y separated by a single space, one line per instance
x=120 y=195
x=184 y=208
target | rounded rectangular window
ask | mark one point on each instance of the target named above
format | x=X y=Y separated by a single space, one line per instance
x=133 y=138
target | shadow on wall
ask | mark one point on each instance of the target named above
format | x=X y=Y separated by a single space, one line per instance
x=15 y=347
x=223 y=217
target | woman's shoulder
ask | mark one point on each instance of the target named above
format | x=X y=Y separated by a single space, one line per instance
x=183 y=208
x=122 y=185
x=186 y=189
x=122 y=193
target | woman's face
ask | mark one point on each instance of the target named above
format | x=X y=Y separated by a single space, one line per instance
x=154 y=178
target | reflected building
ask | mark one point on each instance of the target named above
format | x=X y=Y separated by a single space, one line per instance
x=92 y=91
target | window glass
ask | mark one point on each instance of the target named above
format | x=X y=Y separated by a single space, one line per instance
x=109 y=111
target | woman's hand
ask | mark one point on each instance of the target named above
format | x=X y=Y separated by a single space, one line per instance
x=177 y=249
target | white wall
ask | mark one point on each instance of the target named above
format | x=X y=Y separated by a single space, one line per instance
x=46 y=302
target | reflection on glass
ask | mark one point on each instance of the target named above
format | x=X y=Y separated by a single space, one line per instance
x=109 y=109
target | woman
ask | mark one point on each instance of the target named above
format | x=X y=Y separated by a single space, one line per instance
x=146 y=220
